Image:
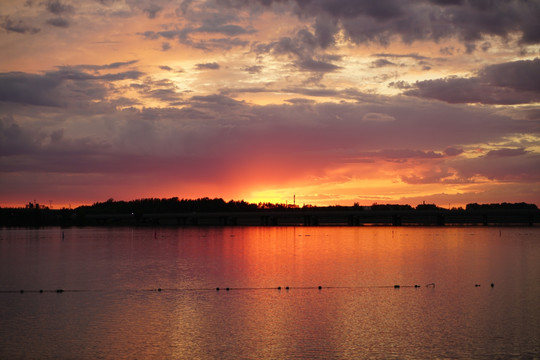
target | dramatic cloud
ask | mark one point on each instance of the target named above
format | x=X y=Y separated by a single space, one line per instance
x=506 y=152
x=208 y=66
x=334 y=101
x=305 y=51
x=507 y=84
x=58 y=8
x=58 y=22
x=378 y=21
x=18 y=26
x=382 y=63
x=152 y=10
x=255 y=69
x=60 y=87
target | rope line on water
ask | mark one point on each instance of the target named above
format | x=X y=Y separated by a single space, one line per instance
x=218 y=289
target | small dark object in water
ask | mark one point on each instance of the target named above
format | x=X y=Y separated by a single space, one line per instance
x=227 y=289
x=476 y=285
x=320 y=287
x=396 y=286
x=217 y=289
x=159 y=289
x=22 y=291
x=59 y=291
x=279 y=287
x=41 y=291
x=492 y=284
x=416 y=286
x=287 y=288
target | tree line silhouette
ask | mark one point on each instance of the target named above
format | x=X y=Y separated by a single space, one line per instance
x=39 y=215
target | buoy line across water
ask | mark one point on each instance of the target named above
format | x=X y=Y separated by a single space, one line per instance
x=217 y=289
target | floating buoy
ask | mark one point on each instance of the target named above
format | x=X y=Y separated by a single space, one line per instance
x=227 y=289
x=159 y=289
x=279 y=287
x=287 y=288
x=416 y=286
x=492 y=284
x=396 y=286
x=22 y=291
x=476 y=285
x=41 y=290
x=320 y=287
x=217 y=289
x=59 y=291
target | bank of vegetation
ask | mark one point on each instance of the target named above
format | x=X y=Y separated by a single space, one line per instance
x=135 y=210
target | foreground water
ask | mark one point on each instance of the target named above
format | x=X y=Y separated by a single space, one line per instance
x=111 y=307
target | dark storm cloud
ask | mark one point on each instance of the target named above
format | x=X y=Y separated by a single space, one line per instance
x=58 y=22
x=506 y=168
x=381 y=63
x=58 y=8
x=412 y=56
x=521 y=75
x=447 y=2
x=224 y=29
x=18 y=26
x=183 y=36
x=255 y=69
x=15 y=140
x=451 y=151
x=152 y=10
x=378 y=21
x=509 y=83
x=236 y=91
x=220 y=100
x=116 y=65
x=96 y=68
x=303 y=49
x=316 y=65
x=221 y=43
x=106 y=2
x=208 y=18
x=163 y=90
x=133 y=75
x=506 y=152
x=52 y=89
x=300 y=101
x=167 y=95
x=401 y=154
x=382 y=9
x=207 y=66
x=30 y=89
x=165 y=46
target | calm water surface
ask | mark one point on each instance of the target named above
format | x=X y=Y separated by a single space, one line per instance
x=111 y=308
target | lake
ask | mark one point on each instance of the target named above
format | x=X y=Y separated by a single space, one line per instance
x=284 y=293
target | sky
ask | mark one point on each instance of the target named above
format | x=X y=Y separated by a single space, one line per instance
x=321 y=102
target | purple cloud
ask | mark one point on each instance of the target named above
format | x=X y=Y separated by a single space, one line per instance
x=506 y=84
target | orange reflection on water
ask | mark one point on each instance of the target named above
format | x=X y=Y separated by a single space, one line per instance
x=305 y=257
x=357 y=314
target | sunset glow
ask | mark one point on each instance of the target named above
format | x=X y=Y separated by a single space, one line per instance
x=316 y=102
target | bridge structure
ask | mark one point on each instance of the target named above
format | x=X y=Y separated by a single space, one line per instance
x=325 y=217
